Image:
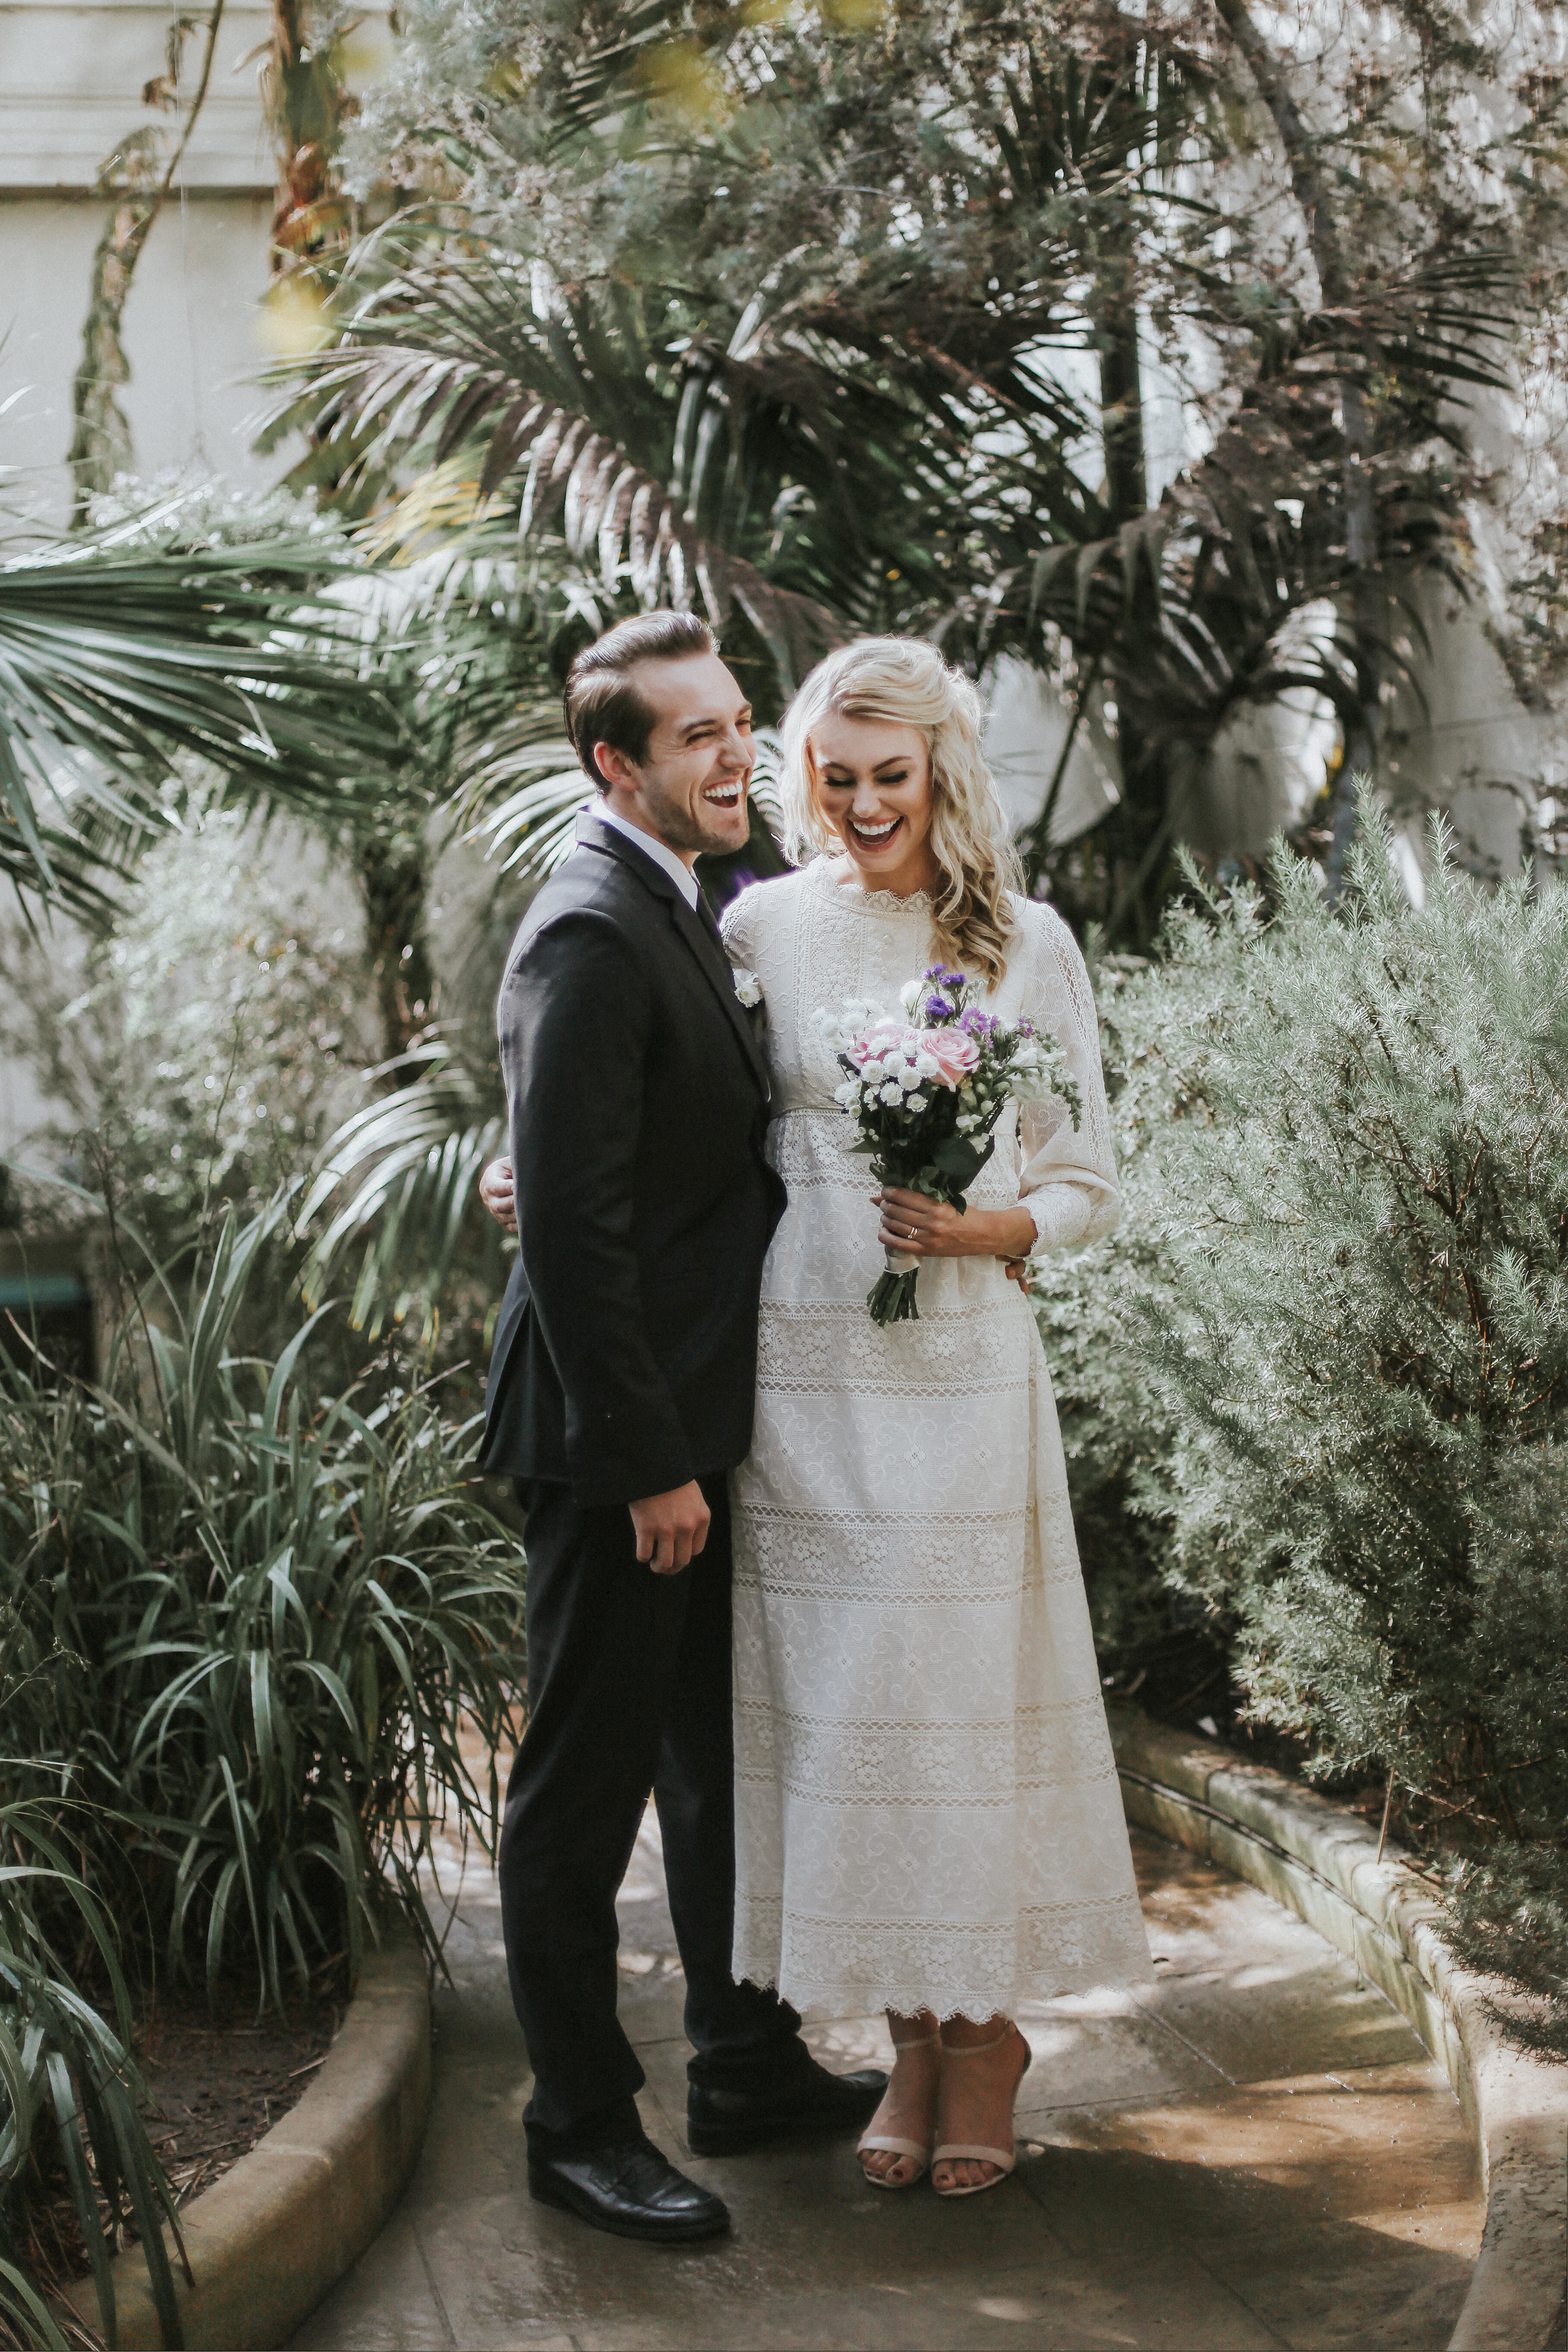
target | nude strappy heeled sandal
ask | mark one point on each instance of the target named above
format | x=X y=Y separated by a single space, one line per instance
x=962 y=2152
x=914 y=2151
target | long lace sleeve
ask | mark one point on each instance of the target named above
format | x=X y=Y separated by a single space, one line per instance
x=1067 y=1175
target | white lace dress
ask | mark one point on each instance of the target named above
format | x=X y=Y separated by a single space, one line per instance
x=927 y=1809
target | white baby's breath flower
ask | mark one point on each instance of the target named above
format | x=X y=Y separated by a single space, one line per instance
x=848 y=1095
x=917 y=1102
x=892 y=1093
x=748 y=988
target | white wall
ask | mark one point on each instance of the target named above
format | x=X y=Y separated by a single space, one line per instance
x=1457 y=738
x=71 y=80
x=70 y=87
x=190 y=333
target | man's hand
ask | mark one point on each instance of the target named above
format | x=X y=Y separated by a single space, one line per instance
x=497 y=1193
x=672 y=1528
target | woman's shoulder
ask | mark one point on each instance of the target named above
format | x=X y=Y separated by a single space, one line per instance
x=1050 y=950
x=760 y=910
x=1041 y=926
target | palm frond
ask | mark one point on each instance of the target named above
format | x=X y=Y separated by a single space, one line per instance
x=445 y=359
x=409 y=1163
x=113 y=662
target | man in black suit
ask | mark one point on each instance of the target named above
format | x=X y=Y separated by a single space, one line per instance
x=620 y=1395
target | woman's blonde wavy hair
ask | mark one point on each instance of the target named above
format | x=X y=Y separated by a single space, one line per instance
x=907 y=680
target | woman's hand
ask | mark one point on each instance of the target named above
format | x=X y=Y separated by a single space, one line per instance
x=497 y=1193
x=917 y=1228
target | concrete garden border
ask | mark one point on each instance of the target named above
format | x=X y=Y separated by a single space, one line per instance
x=1323 y=1863
x=284 y=2223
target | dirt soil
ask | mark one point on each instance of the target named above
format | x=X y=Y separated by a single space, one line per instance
x=219 y=2085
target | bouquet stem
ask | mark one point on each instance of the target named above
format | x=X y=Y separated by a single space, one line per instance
x=892 y=1298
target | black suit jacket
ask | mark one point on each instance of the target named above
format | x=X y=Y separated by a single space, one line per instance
x=625 y=1350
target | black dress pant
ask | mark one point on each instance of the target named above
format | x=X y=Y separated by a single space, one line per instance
x=629 y=1683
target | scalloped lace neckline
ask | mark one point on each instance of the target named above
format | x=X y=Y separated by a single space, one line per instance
x=874 y=902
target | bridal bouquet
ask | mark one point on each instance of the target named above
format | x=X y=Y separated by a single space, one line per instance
x=927 y=1092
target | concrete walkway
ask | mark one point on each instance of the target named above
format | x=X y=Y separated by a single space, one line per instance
x=1254 y=2151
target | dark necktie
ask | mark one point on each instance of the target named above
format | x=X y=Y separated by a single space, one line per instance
x=705 y=916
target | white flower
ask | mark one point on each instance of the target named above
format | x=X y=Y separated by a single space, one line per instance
x=928 y=1067
x=909 y=994
x=848 y=1095
x=916 y=1102
x=908 y=1077
x=748 y=988
x=892 y=1094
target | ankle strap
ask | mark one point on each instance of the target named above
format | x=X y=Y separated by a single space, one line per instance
x=916 y=2041
x=978 y=2049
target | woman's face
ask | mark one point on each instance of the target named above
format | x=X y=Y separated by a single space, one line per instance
x=873 y=779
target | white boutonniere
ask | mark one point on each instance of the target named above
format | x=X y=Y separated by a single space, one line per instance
x=748 y=988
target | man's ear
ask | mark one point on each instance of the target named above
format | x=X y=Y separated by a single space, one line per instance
x=616 y=767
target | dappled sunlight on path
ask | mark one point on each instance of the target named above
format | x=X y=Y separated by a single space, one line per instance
x=1253 y=2151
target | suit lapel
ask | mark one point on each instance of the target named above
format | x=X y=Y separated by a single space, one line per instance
x=715 y=963
x=690 y=926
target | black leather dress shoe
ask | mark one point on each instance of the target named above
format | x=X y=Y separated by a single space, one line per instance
x=726 y=2123
x=631 y=2190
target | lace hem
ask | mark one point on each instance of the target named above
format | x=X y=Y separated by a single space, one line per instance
x=852 y=1967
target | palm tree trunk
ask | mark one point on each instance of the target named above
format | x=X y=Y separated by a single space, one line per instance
x=1145 y=819
x=393 y=878
x=1122 y=406
x=1361 y=515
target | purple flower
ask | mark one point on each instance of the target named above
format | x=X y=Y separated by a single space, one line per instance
x=978 y=1023
x=938 y=1009
x=1026 y=1027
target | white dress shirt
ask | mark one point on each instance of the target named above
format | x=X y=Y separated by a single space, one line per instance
x=676 y=868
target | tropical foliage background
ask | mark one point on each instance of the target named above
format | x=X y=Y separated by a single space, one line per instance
x=1167 y=353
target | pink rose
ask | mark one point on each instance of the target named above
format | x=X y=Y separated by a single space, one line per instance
x=953 y=1051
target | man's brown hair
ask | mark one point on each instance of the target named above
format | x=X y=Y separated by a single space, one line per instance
x=602 y=702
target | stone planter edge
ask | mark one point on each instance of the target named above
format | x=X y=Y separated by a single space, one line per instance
x=268 y=2240
x=1323 y=1864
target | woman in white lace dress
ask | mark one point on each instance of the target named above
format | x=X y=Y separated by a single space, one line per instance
x=928 y=1818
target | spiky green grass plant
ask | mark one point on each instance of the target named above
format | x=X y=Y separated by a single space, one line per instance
x=67 y=2069
x=249 y=1640
x=258 y=1625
